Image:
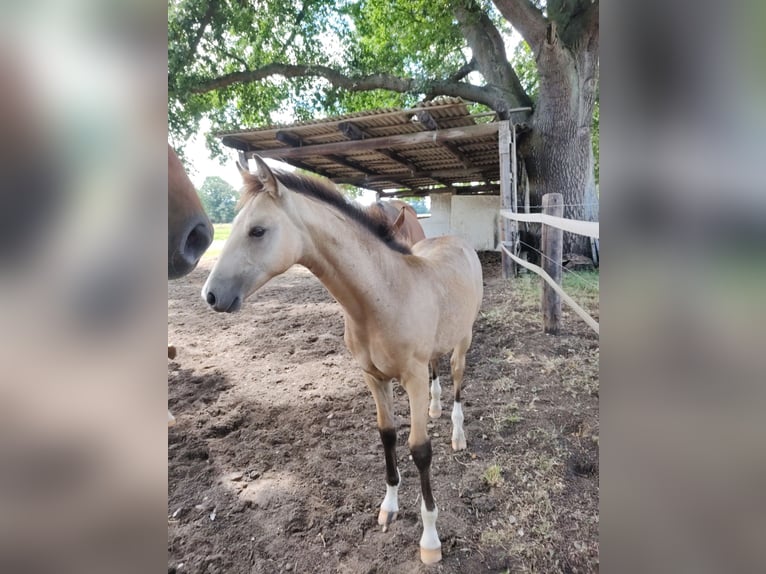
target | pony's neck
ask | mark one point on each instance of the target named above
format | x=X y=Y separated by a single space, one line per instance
x=353 y=264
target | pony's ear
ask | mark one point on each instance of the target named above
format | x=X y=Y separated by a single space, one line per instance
x=242 y=171
x=266 y=177
x=399 y=221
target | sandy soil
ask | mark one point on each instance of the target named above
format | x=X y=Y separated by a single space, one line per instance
x=275 y=464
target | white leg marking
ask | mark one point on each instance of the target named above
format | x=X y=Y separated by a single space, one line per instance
x=430 y=545
x=389 y=508
x=435 y=408
x=458 y=434
x=171 y=420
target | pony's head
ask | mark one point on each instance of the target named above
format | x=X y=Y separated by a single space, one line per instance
x=189 y=229
x=264 y=241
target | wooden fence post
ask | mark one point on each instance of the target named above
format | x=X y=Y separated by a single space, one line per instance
x=552 y=246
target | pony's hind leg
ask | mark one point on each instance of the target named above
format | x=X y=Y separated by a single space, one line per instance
x=435 y=406
x=382 y=392
x=416 y=385
x=457 y=363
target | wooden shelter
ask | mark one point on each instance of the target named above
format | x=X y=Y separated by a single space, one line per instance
x=437 y=147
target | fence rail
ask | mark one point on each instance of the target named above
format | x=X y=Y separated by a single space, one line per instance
x=591 y=322
x=552 y=291
x=587 y=228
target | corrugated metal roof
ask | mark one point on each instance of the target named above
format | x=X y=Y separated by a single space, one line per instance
x=445 y=162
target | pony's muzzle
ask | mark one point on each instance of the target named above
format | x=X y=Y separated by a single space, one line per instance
x=196 y=238
x=223 y=304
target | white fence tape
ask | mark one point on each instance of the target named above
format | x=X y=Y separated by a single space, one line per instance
x=588 y=228
x=548 y=279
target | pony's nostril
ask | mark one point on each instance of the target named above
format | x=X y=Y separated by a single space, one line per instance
x=198 y=241
x=210 y=298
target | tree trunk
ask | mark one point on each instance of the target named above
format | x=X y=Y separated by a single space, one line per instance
x=560 y=161
x=557 y=151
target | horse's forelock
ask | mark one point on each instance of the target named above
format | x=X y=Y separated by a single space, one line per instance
x=250 y=189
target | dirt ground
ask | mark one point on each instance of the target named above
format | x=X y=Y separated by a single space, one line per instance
x=276 y=465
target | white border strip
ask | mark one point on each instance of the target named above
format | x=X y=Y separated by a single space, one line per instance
x=555 y=286
x=587 y=228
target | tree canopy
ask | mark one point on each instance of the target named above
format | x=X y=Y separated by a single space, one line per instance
x=219 y=199
x=248 y=63
x=240 y=62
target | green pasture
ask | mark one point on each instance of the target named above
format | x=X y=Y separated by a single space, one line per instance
x=221 y=232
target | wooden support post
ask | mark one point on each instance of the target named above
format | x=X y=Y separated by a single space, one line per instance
x=514 y=194
x=506 y=196
x=552 y=244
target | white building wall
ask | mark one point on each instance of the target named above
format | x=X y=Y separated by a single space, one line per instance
x=441 y=211
x=472 y=217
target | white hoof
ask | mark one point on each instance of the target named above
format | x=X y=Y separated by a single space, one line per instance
x=430 y=555
x=435 y=414
x=459 y=444
x=430 y=545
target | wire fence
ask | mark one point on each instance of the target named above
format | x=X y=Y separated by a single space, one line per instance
x=587 y=228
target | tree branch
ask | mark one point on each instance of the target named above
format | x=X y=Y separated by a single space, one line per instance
x=464 y=70
x=203 y=24
x=235 y=58
x=491 y=96
x=488 y=49
x=296 y=25
x=526 y=18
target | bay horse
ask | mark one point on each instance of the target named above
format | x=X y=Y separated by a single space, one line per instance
x=189 y=230
x=402 y=307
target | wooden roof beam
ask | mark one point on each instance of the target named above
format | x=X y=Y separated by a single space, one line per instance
x=297 y=142
x=354 y=132
x=299 y=164
x=417 y=192
x=395 y=177
x=426 y=119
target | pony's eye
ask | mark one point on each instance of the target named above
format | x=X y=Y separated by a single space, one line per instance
x=257 y=231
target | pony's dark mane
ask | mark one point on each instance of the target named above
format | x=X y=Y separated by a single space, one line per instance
x=326 y=192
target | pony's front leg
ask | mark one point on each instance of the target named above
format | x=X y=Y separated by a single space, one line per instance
x=382 y=392
x=416 y=385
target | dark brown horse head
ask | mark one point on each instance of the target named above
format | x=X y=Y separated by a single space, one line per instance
x=189 y=230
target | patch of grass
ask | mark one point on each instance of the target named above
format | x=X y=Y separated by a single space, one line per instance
x=582 y=286
x=493 y=476
x=221 y=231
x=512 y=419
x=493 y=316
x=213 y=252
x=583 y=282
x=527 y=285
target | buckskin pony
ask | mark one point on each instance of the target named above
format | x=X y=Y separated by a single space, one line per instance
x=402 y=306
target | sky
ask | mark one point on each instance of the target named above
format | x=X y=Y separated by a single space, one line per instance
x=201 y=165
